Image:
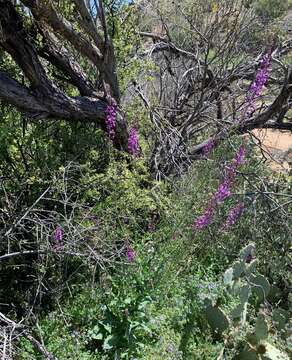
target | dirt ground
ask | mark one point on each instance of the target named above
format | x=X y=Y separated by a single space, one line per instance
x=279 y=145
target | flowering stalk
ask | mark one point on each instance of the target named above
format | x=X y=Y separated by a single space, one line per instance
x=133 y=144
x=254 y=92
x=130 y=254
x=256 y=88
x=222 y=193
x=58 y=237
x=205 y=219
x=110 y=120
x=224 y=189
x=233 y=215
x=208 y=147
x=237 y=161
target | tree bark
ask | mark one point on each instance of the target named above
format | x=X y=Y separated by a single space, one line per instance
x=41 y=97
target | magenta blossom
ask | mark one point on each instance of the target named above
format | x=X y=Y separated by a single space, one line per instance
x=110 y=120
x=237 y=161
x=223 y=192
x=130 y=254
x=261 y=76
x=224 y=189
x=133 y=145
x=256 y=88
x=208 y=147
x=239 y=157
x=58 y=237
x=233 y=215
x=205 y=219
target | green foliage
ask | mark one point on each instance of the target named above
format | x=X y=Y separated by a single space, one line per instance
x=159 y=306
x=66 y=328
x=124 y=22
x=271 y=9
x=187 y=294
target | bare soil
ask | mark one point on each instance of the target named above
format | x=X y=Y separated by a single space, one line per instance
x=279 y=145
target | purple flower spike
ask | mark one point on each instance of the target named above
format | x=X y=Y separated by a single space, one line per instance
x=256 y=88
x=130 y=254
x=205 y=219
x=222 y=193
x=110 y=120
x=237 y=161
x=133 y=145
x=261 y=76
x=208 y=147
x=58 y=237
x=233 y=215
x=239 y=157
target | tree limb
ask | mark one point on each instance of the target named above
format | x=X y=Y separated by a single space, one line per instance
x=262 y=120
x=14 y=40
x=44 y=11
x=40 y=348
x=44 y=99
x=59 y=56
x=87 y=23
x=20 y=96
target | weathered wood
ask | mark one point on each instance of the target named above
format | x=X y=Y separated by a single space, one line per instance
x=42 y=98
x=44 y=11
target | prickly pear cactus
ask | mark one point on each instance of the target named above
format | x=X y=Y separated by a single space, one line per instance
x=264 y=351
x=280 y=318
x=240 y=311
x=241 y=281
x=251 y=267
x=217 y=320
x=260 y=286
x=261 y=328
x=236 y=279
x=247 y=253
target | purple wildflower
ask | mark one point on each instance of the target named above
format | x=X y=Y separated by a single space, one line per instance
x=224 y=189
x=239 y=156
x=233 y=215
x=58 y=237
x=205 y=219
x=133 y=145
x=208 y=147
x=110 y=120
x=222 y=192
x=257 y=86
x=237 y=161
x=130 y=254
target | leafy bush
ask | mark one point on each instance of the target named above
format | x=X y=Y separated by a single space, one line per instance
x=271 y=9
x=155 y=306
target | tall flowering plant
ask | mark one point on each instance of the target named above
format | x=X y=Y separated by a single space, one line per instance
x=254 y=92
x=58 y=238
x=133 y=144
x=257 y=86
x=110 y=120
x=224 y=189
x=129 y=252
x=110 y=123
x=233 y=215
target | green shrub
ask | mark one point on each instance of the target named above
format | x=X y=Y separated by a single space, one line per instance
x=269 y=10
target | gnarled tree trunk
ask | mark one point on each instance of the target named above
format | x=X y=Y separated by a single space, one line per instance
x=60 y=48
